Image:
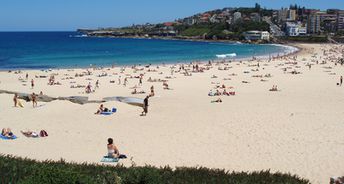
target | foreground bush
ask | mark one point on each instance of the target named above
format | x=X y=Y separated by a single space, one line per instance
x=26 y=171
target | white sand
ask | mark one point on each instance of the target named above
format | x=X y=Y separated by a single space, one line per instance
x=298 y=129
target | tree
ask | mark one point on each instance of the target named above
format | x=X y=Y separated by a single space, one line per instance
x=257 y=7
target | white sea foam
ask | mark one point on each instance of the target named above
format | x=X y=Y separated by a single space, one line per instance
x=226 y=55
x=78 y=36
x=288 y=49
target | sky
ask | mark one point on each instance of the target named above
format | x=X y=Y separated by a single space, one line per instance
x=68 y=15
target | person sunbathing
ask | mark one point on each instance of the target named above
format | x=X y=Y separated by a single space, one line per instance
x=165 y=85
x=137 y=92
x=112 y=149
x=211 y=93
x=134 y=92
x=274 y=88
x=217 y=101
x=217 y=93
x=7 y=132
x=225 y=92
x=101 y=109
x=29 y=134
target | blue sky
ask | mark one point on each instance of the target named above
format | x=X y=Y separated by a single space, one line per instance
x=60 y=15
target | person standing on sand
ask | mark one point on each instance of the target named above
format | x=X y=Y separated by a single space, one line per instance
x=15 y=100
x=140 y=81
x=152 y=91
x=32 y=83
x=341 y=80
x=27 y=76
x=34 y=100
x=145 y=106
x=97 y=84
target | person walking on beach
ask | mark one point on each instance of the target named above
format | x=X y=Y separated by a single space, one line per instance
x=140 y=81
x=341 y=80
x=152 y=91
x=15 y=100
x=27 y=76
x=88 y=88
x=145 y=106
x=32 y=83
x=97 y=84
x=34 y=100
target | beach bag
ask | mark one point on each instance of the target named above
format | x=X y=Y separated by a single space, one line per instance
x=43 y=133
x=122 y=157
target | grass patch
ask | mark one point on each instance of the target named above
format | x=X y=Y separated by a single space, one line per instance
x=27 y=171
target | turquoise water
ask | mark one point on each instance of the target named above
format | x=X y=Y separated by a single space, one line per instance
x=42 y=50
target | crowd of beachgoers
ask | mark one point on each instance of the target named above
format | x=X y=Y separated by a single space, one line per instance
x=213 y=88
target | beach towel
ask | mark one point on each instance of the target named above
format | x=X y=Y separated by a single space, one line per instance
x=109 y=159
x=109 y=112
x=7 y=138
x=106 y=113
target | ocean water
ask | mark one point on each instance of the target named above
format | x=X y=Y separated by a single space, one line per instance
x=42 y=50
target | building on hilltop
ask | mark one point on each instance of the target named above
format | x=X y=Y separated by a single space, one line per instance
x=313 y=23
x=295 y=29
x=340 y=20
x=236 y=16
x=282 y=15
x=291 y=15
x=329 y=21
x=285 y=15
x=214 y=19
x=189 y=21
x=255 y=17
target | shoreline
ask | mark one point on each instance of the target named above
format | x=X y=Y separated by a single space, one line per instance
x=289 y=50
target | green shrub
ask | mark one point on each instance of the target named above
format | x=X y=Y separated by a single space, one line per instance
x=313 y=39
x=27 y=171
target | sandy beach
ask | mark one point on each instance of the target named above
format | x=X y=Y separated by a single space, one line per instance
x=297 y=129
